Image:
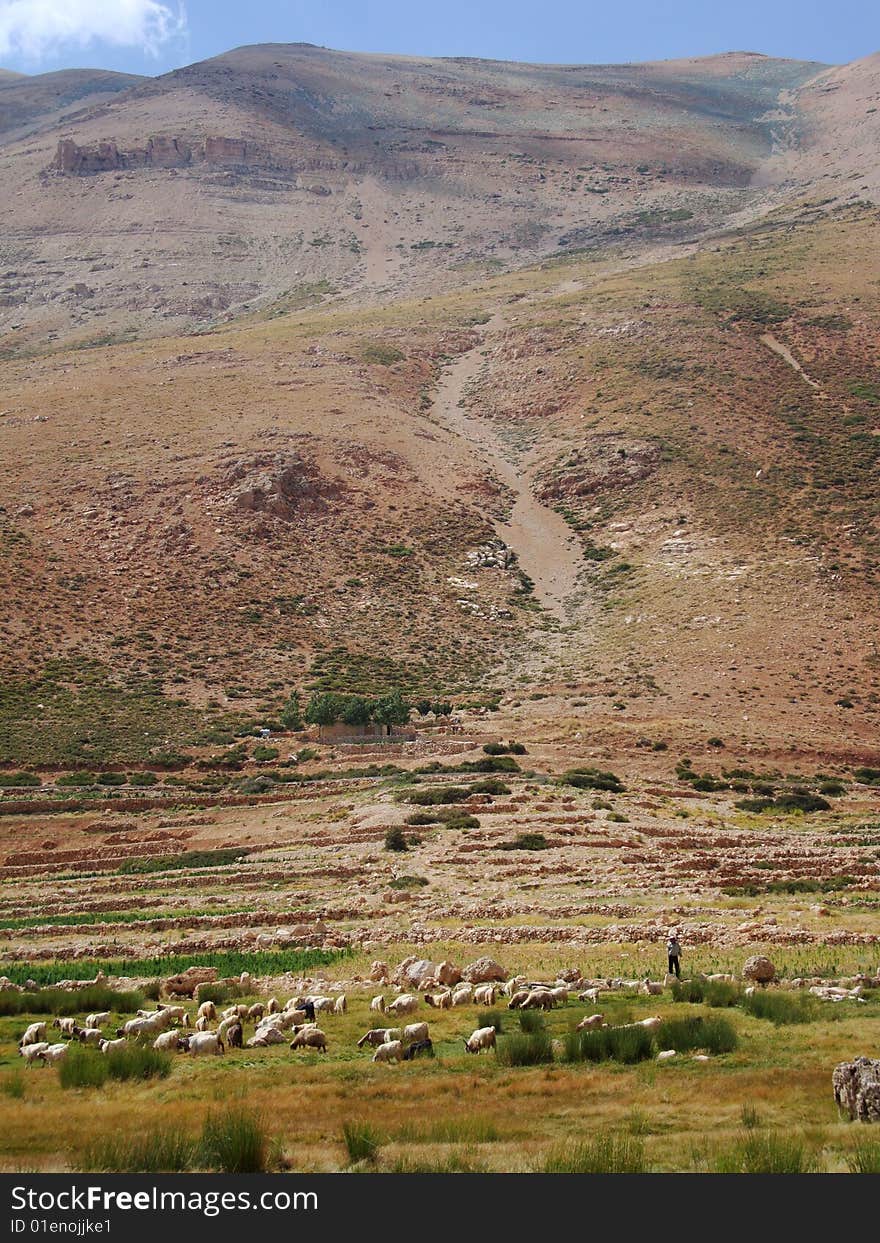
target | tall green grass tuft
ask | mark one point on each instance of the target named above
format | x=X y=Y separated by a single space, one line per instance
x=491 y=1018
x=865 y=1157
x=606 y=1154
x=361 y=1142
x=83 y=1067
x=524 y=1049
x=531 y=1021
x=766 y=1153
x=781 y=1008
x=163 y=1150
x=716 y=993
x=469 y=1130
x=60 y=1001
x=715 y=1034
x=458 y=1161
x=234 y=1142
x=12 y=1084
x=607 y=1044
x=138 y=1061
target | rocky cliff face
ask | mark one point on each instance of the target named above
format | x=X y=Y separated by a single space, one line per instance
x=160 y=151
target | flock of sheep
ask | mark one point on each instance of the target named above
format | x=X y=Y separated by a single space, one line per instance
x=169 y=1027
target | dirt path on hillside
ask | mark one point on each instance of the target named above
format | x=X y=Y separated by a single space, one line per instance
x=785 y=353
x=545 y=546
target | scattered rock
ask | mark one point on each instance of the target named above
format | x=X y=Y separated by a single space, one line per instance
x=759 y=969
x=857 y=1088
x=483 y=971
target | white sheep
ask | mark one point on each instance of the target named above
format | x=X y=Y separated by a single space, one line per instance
x=404 y=1004
x=666 y=1055
x=204 y=1044
x=377 y=1005
x=484 y=995
x=379 y=1035
x=68 y=1027
x=390 y=1051
x=414 y=1032
x=321 y=1003
x=590 y=994
x=590 y=1022
x=35 y=1033
x=272 y=1006
x=462 y=995
x=256 y=1012
x=203 y=1024
x=141 y=1027
x=482 y=1038
x=108 y=1046
x=650 y=988
x=98 y=1019
x=310 y=1038
x=340 y=1005
x=207 y=1010
x=91 y=1035
x=559 y=995
x=169 y=1041
x=439 y=1001
x=34 y=1052
x=55 y=1053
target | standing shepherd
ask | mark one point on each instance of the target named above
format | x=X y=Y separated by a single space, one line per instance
x=673 y=953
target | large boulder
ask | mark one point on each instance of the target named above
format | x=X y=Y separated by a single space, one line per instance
x=414 y=972
x=379 y=971
x=857 y=1088
x=448 y=974
x=185 y=984
x=483 y=971
x=759 y=969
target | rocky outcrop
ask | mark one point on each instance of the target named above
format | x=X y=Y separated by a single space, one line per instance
x=279 y=485
x=185 y=984
x=857 y=1088
x=483 y=971
x=159 y=151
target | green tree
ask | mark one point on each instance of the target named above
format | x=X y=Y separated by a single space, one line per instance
x=391 y=709
x=356 y=710
x=291 y=713
x=324 y=709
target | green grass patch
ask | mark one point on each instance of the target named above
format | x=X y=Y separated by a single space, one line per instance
x=609 y=1044
x=524 y=1049
x=781 y=1009
x=605 y=1154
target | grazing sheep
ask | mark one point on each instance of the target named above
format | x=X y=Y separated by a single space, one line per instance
x=590 y=994
x=340 y=1005
x=107 y=1046
x=517 y=999
x=559 y=995
x=272 y=1006
x=207 y=1010
x=321 y=1004
x=99 y=1019
x=415 y=1031
x=513 y=985
x=390 y=1051
x=536 y=999
x=203 y=1024
x=404 y=1004
x=256 y=1012
x=235 y=1012
x=463 y=995
x=590 y=1022
x=377 y=1005
x=141 y=1027
x=378 y=1035
x=234 y=1036
x=310 y=1038
x=68 y=1026
x=169 y=1041
x=650 y=988
x=173 y=1013
x=303 y=1004
x=91 y=1035
x=264 y=1036
x=55 y=1053
x=34 y=1052
x=652 y=1023
x=482 y=1038
x=203 y=1044
x=420 y=1048
x=34 y=1034
x=439 y=1001
x=484 y=995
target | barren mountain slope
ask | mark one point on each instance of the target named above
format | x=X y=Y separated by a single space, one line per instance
x=46 y=100
x=296 y=501
x=280 y=175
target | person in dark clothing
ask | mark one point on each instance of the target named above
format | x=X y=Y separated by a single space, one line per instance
x=673 y=953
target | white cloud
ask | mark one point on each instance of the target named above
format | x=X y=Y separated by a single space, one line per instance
x=34 y=29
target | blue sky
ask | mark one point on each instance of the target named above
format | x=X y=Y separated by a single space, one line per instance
x=152 y=36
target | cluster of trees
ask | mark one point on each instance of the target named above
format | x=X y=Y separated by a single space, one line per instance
x=328 y=707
